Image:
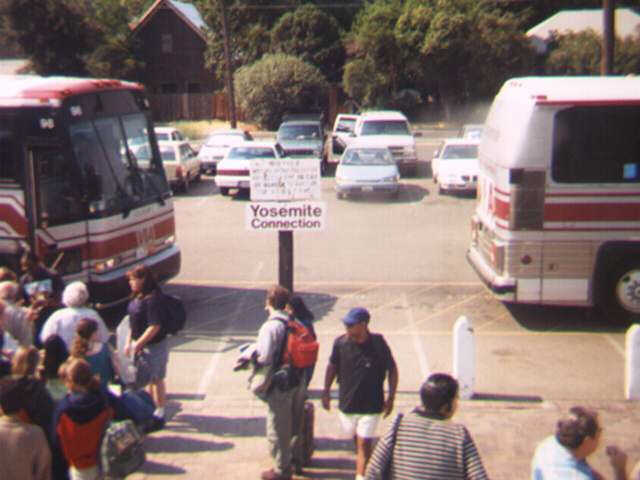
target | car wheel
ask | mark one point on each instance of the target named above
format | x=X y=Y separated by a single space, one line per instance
x=224 y=191
x=441 y=190
x=622 y=292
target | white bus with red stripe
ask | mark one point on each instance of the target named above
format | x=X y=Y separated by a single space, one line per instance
x=71 y=188
x=558 y=215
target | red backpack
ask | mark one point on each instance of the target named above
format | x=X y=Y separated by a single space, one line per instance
x=300 y=348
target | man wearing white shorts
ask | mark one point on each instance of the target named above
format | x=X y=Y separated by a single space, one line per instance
x=361 y=361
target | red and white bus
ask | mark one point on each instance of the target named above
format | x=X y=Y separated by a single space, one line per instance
x=558 y=215
x=71 y=187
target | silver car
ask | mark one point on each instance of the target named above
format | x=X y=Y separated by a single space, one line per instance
x=216 y=146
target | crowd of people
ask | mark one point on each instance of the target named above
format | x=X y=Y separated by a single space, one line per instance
x=58 y=367
x=424 y=444
x=60 y=382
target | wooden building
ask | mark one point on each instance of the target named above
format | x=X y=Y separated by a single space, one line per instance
x=173 y=43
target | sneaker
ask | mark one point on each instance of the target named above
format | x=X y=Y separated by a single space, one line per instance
x=156 y=423
x=272 y=475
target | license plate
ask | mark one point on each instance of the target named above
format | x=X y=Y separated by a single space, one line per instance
x=367 y=189
x=243 y=185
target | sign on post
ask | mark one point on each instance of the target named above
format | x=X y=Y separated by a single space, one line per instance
x=285 y=179
x=285 y=216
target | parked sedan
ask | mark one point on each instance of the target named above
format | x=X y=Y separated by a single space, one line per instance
x=455 y=165
x=364 y=168
x=233 y=171
x=217 y=145
x=181 y=164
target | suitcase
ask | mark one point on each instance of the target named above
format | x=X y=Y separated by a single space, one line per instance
x=308 y=445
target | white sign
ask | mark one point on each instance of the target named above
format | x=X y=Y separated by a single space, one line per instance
x=274 y=179
x=278 y=216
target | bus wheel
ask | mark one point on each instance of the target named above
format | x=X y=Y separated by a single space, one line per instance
x=623 y=292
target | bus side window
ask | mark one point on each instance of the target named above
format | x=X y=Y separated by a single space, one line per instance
x=9 y=164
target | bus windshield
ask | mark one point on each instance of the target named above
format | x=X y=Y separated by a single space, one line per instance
x=105 y=150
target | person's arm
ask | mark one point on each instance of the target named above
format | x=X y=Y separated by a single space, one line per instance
x=393 y=386
x=329 y=377
x=146 y=337
x=618 y=462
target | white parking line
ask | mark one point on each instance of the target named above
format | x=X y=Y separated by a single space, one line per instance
x=417 y=342
x=615 y=344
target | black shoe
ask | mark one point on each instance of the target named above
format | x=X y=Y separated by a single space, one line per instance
x=155 y=424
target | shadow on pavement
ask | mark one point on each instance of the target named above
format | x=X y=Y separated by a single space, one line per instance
x=220 y=426
x=156 y=468
x=564 y=319
x=179 y=444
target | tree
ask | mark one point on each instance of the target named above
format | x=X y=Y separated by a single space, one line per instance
x=312 y=35
x=276 y=84
x=54 y=35
x=379 y=66
x=579 y=53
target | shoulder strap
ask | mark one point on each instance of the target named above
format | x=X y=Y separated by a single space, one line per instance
x=395 y=427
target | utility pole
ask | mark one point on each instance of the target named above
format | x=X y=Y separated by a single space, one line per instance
x=608 y=37
x=231 y=99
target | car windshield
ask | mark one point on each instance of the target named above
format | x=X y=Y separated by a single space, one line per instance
x=452 y=152
x=367 y=156
x=385 y=127
x=298 y=132
x=222 y=139
x=346 y=125
x=473 y=132
x=245 y=153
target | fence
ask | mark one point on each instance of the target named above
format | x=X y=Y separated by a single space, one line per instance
x=168 y=107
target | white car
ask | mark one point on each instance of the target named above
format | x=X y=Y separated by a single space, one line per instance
x=181 y=164
x=389 y=128
x=169 y=134
x=366 y=168
x=233 y=171
x=455 y=165
x=217 y=145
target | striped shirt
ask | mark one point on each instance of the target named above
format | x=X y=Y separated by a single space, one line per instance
x=427 y=448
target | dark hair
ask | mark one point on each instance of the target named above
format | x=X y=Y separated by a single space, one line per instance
x=55 y=354
x=6 y=274
x=278 y=297
x=144 y=273
x=578 y=425
x=12 y=396
x=85 y=328
x=77 y=371
x=299 y=309
x=439 y=390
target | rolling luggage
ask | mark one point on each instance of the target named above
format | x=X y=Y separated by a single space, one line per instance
x=308 y=445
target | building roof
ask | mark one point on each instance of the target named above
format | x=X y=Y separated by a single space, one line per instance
x=627 y=22
x=186 y=11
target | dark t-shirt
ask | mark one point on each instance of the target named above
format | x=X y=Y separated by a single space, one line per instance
x=144 y=312
x=361 y=370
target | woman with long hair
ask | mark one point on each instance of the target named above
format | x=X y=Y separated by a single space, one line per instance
x=87 y=345
x=80 y=419
x=148 y=337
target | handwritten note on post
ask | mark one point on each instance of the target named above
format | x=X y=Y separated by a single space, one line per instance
x=285 y=179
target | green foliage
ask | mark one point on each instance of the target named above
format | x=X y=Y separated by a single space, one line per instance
x=312 y=35
x=581 y=53
x=277 y=84
x=71 y=37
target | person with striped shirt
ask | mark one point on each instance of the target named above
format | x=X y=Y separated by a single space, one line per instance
x=425 y=444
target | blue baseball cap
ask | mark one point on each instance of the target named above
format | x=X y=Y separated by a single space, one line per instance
x=356 y=315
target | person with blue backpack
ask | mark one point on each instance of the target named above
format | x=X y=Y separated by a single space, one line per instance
x=148 y=337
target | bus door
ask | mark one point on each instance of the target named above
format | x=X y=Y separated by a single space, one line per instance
x=57 y=210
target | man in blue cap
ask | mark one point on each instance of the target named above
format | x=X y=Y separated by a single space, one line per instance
x=361 y=361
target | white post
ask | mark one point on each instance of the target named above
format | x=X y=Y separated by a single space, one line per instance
x=464 y=356
x=632 y=363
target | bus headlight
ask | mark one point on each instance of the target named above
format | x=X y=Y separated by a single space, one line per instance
x=108 y=264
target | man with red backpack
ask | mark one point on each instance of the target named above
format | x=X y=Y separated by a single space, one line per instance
x=285 y=385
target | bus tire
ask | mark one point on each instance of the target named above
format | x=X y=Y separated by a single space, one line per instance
x=622 y=294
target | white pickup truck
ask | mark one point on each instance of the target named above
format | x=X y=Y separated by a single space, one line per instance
x=384 y=128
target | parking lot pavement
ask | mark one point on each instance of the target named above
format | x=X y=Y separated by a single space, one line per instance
x=532 y=365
